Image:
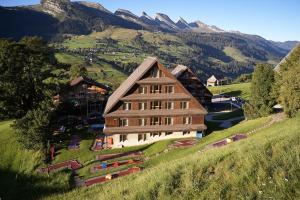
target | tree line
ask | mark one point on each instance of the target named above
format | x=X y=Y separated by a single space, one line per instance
x=270 y=87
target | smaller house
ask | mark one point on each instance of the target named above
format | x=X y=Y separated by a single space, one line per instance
x=87 y=95
x=214 y=81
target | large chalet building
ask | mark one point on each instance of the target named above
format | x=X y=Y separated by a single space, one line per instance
x=151 y=105
x=192 y=83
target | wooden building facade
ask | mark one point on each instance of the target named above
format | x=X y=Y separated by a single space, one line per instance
x=151 y=105
x=87 y=95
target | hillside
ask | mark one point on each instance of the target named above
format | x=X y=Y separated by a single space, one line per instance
x=122 y=39
x=266 y=165
x=206 y=53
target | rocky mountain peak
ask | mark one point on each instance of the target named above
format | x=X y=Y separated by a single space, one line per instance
x=54 y=7
x=182 y=24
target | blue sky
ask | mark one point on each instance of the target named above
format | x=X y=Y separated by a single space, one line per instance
x=277 y=20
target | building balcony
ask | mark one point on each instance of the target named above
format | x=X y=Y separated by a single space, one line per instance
x=156 y=112
x=154 y=128
x=161 y=80
x=157 y=96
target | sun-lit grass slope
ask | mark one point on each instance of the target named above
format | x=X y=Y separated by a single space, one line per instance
x=240 y=89
x=18 y=166
x=100 y=71
x=264 y=166
x=18 y=179
x=235 y=53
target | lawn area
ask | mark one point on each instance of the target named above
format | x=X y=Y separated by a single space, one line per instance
x=18 y=179
x=240 y=89
x=19 y=162
x=235 y=53
x=229 y=115
x=264 y=166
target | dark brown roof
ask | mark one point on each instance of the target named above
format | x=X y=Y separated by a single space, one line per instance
x=180 y=69
x=89 y=81
x=129 y=82
x=154 y=128
x=159 y=96
x=145 y=113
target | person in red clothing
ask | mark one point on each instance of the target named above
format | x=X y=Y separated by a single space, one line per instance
x=52 y=151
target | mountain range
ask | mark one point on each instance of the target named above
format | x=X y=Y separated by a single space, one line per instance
x=54 y=17
x=83 y=29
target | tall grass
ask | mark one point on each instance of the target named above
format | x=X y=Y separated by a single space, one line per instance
x=18 y=176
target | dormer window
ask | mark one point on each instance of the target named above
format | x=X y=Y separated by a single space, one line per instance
x=156 y=73
x=155 y=88
x=127 y=106
x=142 y=90
x=169 y=89
x=155 y=105
x=184 y=105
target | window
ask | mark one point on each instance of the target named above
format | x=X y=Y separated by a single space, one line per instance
x=142 y=105
x=186 y=132
x=169 y=105
x=142 y=122
x=155 y=105
x=168 y=121
x=169 y=133
x=155 y=121
x=81 y=94
x=123 y=138
x=156 y=73
x=142 y=137
x=169 y=89
x=184 y=105
x=187 y=120
x=155 y=134
x=123 y=122
x=143 y=89
x=127 y=106
x=155 y=88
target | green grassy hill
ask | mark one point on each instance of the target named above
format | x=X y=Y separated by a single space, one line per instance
x=124 y=49
x=239 y=89
x=266 y=165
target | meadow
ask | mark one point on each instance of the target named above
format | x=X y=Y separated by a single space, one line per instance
x=237 y=90
x=18 y=166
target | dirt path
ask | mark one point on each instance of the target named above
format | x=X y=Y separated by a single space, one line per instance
x=275 y=118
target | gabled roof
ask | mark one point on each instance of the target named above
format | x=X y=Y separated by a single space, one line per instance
x=129 y=82
x=212 y=79
x=180 y=69
x=89 y=81
x=284 y=59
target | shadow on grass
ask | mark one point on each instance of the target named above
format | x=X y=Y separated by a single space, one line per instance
x=212 y=126
x=233 y=93
x=20 y=186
